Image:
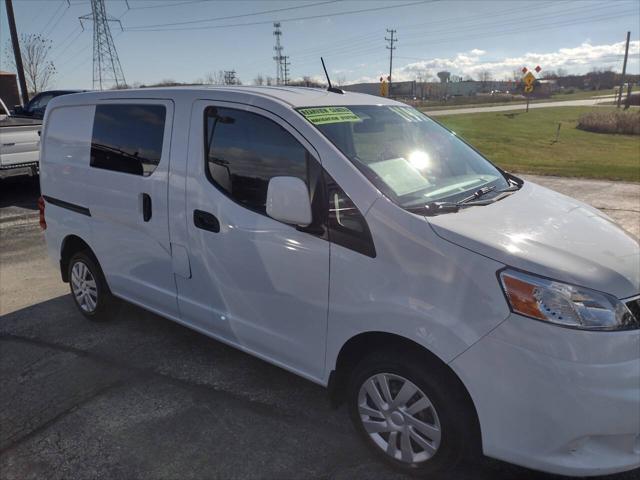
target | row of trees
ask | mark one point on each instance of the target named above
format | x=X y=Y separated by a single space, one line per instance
x=597 y=78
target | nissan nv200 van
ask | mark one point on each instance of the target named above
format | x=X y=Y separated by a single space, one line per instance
x=455 y=308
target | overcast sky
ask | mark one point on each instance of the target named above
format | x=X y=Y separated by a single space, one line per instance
x=183 y=40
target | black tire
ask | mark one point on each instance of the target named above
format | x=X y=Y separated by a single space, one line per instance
x=105 y=301
x=460 y=433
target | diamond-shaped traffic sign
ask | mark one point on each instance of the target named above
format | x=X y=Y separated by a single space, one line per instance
x=524 y=70
x=538 y=69
x=529 y=78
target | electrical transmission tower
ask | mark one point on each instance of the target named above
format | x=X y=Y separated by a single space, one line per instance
x=285 y=69
x=229 y=77
x=391 y=48
x=107 y=71
x=278 y=49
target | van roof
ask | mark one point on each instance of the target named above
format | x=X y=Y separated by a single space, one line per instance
x=292 y=96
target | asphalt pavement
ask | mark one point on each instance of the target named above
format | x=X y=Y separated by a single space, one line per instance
x=588 y=102
x=143 y=397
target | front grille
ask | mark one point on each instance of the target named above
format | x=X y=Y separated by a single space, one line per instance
x=634 y=308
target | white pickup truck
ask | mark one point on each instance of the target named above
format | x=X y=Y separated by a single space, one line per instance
x=19 y=144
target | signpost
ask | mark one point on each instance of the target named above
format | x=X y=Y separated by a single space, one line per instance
x=529 y=80
x=384 y=87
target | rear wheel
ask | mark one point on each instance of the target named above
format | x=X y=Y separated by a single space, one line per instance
x=413 y=414
x=89 y=288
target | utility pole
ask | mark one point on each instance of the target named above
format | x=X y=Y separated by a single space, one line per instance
x=391 y=48
x=285 y=69
x=107 y=70
x=624 y=69
x=278 y=49
x=16 y=52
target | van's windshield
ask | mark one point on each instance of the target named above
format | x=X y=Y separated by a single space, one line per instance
x=408 y=156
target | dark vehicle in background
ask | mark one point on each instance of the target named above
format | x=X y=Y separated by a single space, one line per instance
x=37 y=105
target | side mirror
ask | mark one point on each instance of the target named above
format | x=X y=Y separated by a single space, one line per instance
x=18 y=110
x=288 y=201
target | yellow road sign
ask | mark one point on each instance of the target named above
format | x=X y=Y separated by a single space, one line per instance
x=384 y=89
x=529 y=78
x=528 y=88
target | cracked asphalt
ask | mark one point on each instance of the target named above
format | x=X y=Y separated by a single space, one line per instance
x=142 y=397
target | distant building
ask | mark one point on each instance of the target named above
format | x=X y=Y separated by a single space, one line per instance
x=9 y=89
x=398 y=89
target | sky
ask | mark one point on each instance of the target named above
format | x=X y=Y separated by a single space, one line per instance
x=184 y=40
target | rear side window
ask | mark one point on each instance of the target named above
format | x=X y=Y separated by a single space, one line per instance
x=128 y=138
x=244 y=151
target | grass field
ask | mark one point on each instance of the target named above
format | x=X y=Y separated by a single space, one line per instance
x=525 y=142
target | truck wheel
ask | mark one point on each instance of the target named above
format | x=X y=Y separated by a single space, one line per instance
x=413 y=414
x=89 y=288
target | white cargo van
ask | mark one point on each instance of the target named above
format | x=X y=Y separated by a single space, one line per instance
x=355 y=242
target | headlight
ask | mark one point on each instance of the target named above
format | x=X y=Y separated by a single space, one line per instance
x=564 y=304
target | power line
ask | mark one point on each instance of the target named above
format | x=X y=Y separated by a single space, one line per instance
x=191 y=22
x=69 y=44
x=511 y=22
x=355 y=42
x=264 y=22
x=439 y=39
x=55 y=24
x=55 y=14
x=164 y=5
x=355 y=47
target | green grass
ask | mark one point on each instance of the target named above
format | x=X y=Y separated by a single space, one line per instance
x=525 y=142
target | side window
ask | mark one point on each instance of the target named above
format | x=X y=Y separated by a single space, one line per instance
x=347 y=226
x=128 y=138
x=39 y=102
x=244 y=150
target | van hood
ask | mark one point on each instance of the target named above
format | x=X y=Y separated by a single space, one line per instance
x=547 y=233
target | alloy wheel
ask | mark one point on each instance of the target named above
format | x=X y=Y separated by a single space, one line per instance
x=399 y=418
x=84 y=287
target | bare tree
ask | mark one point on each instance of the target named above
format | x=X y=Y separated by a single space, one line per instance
x=38 y=67
x=214 y=78
x=259 y=80
x=484 y=76
x=340 y=80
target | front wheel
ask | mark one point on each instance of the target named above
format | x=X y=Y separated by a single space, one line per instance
x=412 y=413
x=89 y=287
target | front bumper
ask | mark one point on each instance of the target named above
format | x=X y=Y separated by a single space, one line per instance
x=554 y=399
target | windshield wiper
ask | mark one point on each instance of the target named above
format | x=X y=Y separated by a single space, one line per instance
x=476 y=195
x=436 y=208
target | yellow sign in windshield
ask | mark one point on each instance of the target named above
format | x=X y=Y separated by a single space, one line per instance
x=324 y=115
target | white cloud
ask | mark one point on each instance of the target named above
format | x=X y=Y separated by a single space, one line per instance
x=578 y=59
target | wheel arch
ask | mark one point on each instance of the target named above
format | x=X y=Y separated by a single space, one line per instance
x=362 y=344
x=71 y=245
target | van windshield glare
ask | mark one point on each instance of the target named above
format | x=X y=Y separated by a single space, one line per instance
x=408 y=156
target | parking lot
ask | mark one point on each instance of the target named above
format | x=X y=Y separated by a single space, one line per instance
x=142 y=397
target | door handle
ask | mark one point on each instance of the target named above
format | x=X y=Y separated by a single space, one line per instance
x=146 y=207
x=206 y=221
